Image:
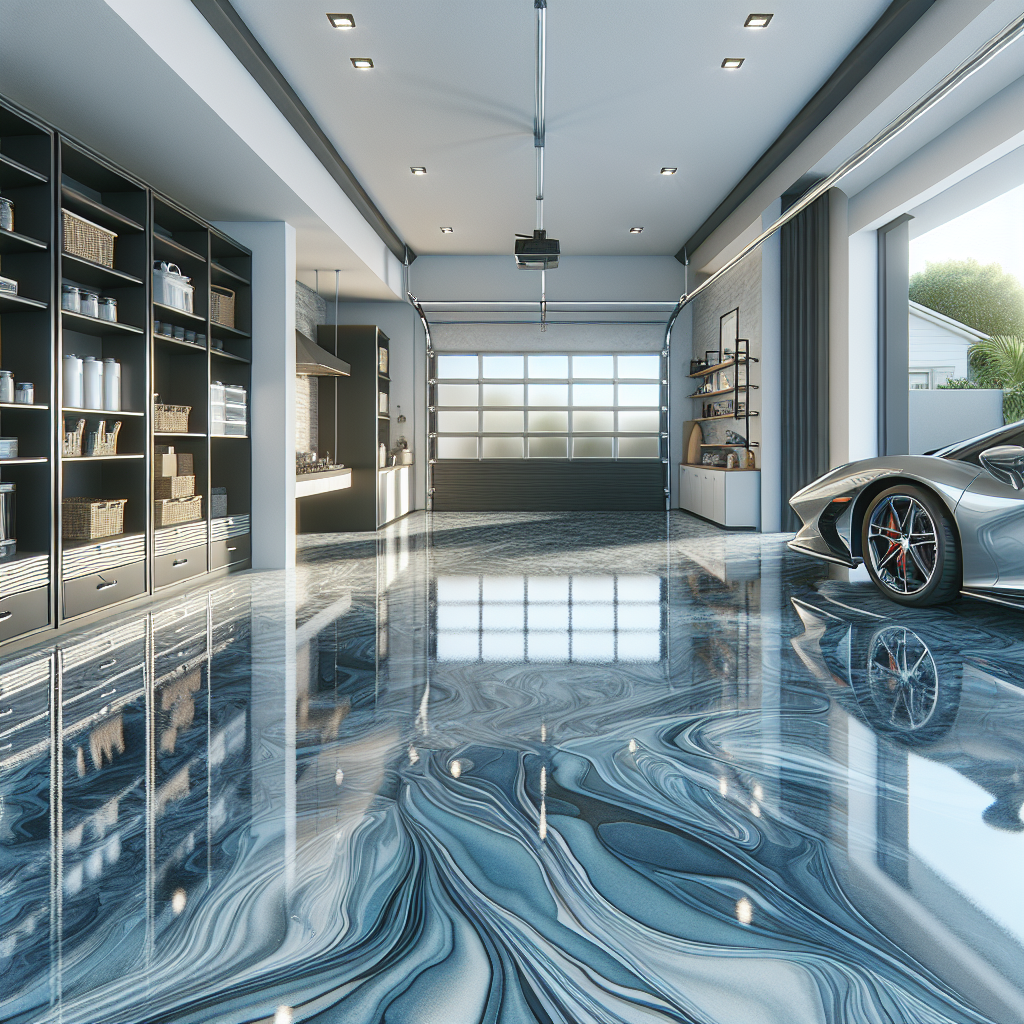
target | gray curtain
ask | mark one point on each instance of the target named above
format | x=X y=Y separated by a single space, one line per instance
x=804 y=352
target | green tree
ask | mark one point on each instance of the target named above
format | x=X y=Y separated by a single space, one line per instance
x=983 y=297
x=999 y=363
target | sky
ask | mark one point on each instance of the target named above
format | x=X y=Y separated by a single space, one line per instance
x=992 y=233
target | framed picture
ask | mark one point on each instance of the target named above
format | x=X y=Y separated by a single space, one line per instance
x=728 y=332
x=382 y=360
x=382 y=403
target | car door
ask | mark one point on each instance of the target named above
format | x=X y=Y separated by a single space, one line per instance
x=991 y=520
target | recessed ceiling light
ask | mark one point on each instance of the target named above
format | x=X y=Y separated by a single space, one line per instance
x=732 y=62
x=347 y=21
x=669 y=170
x=635 y=231
x=418 y=170
x=447 y=231
x=364 y=63
x=757 y=21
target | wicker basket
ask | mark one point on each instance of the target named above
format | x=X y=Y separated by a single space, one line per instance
x=169 y=511
x=102 y=441
x=87 y=240
x=171 y=419
x=71 y=445
x=90 y=518
x=174 y=487
x=222 y=306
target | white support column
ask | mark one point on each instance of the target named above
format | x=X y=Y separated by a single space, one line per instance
x=840 y=400
x=770 y=395
x=862 y=367
x=273 y=392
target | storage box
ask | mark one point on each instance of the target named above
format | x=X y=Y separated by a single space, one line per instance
x=218 y=502
x=171 y=287
x=185 y=464
x=165 y=465
x=174 y=487
x=8 y=447
x=87 y=240
x=170 y=511
x=222 y=306
x=171 y=419
x=89 y=518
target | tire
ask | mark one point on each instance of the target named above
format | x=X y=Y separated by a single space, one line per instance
x=917 y=572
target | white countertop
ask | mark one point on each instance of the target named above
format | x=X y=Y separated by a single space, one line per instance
x=320 y=483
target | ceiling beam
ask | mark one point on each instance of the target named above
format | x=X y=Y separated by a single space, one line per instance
x=897 y=20
x=228 y=24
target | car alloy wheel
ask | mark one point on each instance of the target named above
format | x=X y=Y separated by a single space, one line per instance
x=903 y=544
x=902 y=678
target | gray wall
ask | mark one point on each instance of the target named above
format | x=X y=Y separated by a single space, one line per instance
x=938 y=418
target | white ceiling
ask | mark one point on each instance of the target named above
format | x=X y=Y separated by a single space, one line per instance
x=633 y=85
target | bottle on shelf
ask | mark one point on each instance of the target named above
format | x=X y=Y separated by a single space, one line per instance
x=92 y=383
x=73 y=372
x=111 y=385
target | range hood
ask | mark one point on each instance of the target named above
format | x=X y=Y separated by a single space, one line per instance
x=314 y=361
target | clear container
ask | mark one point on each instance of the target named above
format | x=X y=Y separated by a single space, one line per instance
x=108 y=309
x=25 y=394
x=179 y=333
x=91 y=304
x=71 y=298
x=6 y=214
x=190 y=337
x=6 y=386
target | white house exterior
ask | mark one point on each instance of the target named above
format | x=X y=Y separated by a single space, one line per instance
x=938 y=347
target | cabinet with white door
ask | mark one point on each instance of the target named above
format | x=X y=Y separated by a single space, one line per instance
x=729 y=497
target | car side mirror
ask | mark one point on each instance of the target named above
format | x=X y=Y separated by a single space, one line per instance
x=1006 y=463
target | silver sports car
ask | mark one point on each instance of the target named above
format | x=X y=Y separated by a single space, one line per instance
x=927 y=527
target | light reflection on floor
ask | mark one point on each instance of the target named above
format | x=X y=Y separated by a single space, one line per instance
x=519 y=768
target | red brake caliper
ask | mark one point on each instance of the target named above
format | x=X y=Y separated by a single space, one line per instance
x=901 y=559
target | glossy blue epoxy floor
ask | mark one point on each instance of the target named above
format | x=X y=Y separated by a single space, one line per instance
x=551 y=767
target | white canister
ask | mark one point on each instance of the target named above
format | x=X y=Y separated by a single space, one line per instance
x=72 y=382
x=111 y=385
x=92 y=383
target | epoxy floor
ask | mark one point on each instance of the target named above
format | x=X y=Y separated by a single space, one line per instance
x=537 y=767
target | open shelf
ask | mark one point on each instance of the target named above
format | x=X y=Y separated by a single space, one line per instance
x=175 y=248
x=736 y=444
x=28 y=461
x=12 y=242
x=103 y=458
x=173 y=311
x=707 y=371
x=180 y=342
x=105 y=413
x=230 y=437
x=723 y=391
x=95 y=326
x=91 y=209
x=87 y=272
x=14 y=174
x=724 y=416
x=24 y=406
x=221 y=354
x=18 y=303
x=216 y=270
x=220 y=331
x=175 y=433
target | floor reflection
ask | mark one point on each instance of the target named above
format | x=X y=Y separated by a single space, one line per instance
x=519 y=768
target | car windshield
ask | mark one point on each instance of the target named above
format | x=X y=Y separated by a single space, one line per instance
x=969 y=450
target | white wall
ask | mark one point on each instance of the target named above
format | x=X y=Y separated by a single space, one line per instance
x=938 y=418
x=931 y=345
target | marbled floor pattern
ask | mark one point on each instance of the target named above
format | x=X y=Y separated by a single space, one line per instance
x=519 y=768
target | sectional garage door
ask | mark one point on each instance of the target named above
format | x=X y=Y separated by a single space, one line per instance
x=547 y=431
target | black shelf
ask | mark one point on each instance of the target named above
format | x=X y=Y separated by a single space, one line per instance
x=176 y=248
x=14 y=174
x=191 y=346
x=13 y=406
x=231 y=437
x=176 y=433
x=108 y=414
x=91 y=209
x=12 y=242
x=86 y=272
x=221 y=354
x=28 y=460
x=160 y=311
x=103 y=458
x=222 y=331
x=229 y=275
x=19 y=303
x=95 y=326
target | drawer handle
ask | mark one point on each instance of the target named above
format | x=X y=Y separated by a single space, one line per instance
x=179 y=561
x=4 y=714
x=229 y=549
x=108 y=664
x=4 y=616
x=105 y=586
x=110 y=692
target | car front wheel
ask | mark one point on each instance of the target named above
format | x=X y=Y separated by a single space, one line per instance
x=910 y=547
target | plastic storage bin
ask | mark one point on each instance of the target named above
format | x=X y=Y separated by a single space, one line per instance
x=171 y=287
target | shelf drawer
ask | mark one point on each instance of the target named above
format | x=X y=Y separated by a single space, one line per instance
x=98 y=589
x=227 y=552
x=179 y=565
x=21 y=613
x=24 y=697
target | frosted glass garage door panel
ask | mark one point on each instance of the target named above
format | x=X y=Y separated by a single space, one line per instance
x=452 y=617
x=503 y=394
x=640 y=589
x=456 y=448
x=588 y=420
x=639 y=368
x=499 y=422
x=503 y=367
x=639 y=394
x=549 y=447
x=458 y=368
x=460 y=422
x=593 y=394
x=645 y=422
x=547 y=589
x=458 y=646
x=556 y=367
x=458 y=589
x=593 y=367
x=458 y=394
x=547 y=646
x=548 y=394
x=639 y=448
x=503 y=447
x=552 y=419
x=591 y=447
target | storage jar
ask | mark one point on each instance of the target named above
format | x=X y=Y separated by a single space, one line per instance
x=6 y=214
x=25 y=394
x=6 y=386
x=71 y=298
x=108 y=309
x=91 y=304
